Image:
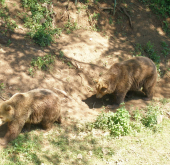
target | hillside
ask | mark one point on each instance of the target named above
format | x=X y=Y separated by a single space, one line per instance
x=87 y=40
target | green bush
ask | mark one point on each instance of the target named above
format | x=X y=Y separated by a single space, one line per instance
x=150 y=119
x=42 y=37
x=149 y=48
x=40 y=21
x=43 y=63
x=117 y=123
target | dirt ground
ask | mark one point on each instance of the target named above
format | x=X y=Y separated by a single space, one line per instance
x=91 y=53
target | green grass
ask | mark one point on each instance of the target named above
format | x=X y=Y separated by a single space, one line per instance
x=23 y=150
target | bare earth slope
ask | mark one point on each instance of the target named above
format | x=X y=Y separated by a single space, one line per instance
x=91 y=54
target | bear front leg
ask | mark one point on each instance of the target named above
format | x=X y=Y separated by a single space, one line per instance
x=14 y=128
x=119 y=98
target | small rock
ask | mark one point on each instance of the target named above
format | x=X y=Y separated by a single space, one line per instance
x=90 y=153
x=159 y=119
x=79 y=156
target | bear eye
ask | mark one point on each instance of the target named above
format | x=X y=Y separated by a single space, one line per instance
x=103 y=89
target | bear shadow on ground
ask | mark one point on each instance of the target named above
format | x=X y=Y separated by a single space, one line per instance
x=108 y=99
x=3 y=130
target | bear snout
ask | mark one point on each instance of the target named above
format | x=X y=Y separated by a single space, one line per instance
x=1 y=122
x=99 y=95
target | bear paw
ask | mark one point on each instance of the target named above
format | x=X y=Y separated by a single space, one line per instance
x=3 y=142
x=112 y=106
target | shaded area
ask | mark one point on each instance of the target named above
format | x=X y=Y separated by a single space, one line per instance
x=108 y=99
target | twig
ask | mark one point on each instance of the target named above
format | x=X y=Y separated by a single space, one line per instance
x=81 y=79
x=114 y=8
x=167 y=75
x=64 y=93
x=66 y=59
x=2 y=98
x=127 y=16
x=90 y=19
x=62 y=15
x=107 y=8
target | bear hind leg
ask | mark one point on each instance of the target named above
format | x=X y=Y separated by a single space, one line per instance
x=59 y=120
x=47 y=125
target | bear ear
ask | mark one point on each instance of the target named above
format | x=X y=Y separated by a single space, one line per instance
x=105 y=85
x=8 y=108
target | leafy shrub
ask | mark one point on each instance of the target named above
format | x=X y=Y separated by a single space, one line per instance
x=159 y=6
x=166 y=49
x=150 y=119
x=149 y=48
x=40 y=21
x=70 y=27
x=42 y=37
x=2 y=2
x=117 y=123
x=2 y=86
x=43 y=63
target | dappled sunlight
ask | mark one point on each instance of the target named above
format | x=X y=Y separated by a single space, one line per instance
x=160 y=31
x=81 y=54
x=91 y=52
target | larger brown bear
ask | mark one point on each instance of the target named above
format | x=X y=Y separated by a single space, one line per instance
x=126 y=76
x=33 y=107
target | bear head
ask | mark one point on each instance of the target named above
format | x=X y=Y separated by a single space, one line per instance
x=108 y=82
x=104 y=86
x=6 y=113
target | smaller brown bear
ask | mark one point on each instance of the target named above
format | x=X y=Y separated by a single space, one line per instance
x=33 y=107
x=130 y=75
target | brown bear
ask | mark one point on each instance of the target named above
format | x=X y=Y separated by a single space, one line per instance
x=130 y=75
x=38 y=106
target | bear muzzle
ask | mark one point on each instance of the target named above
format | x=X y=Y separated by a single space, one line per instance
x=99 y=95
x=1 y=122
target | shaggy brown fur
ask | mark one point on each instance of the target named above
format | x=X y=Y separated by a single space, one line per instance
x=130 y=75
x=33 y=107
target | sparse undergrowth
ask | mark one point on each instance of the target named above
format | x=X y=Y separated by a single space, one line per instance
x=8 y=24
x=41 y=63
x=40 y=21
x=119 y=124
